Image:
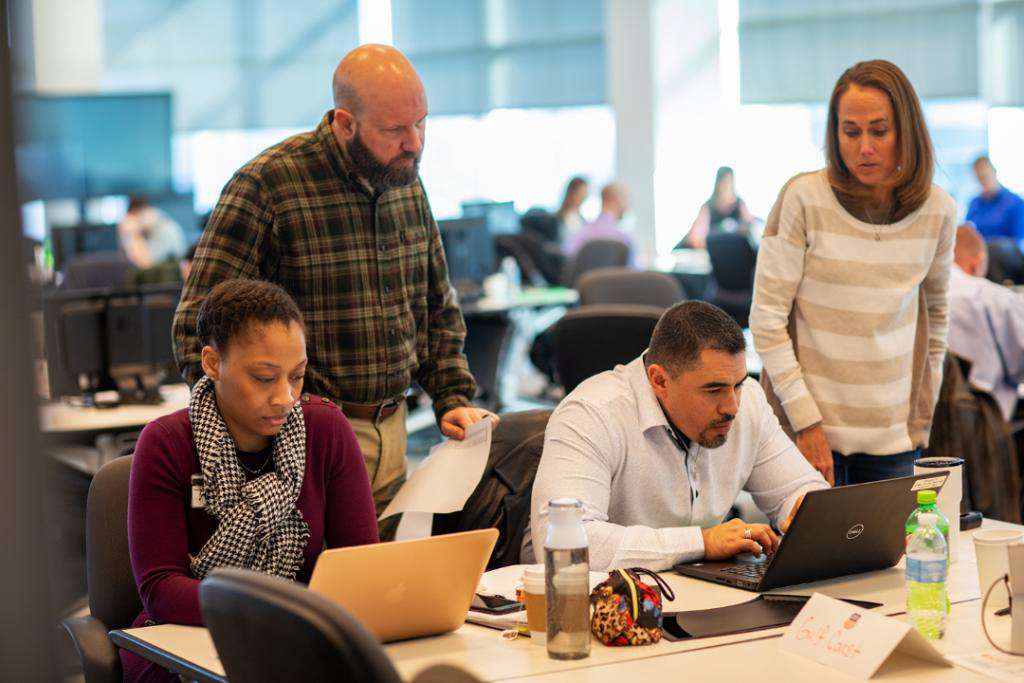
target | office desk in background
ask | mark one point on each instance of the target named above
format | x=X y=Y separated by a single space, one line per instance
x=482 y=652
x=59 y=417
x=498 y=332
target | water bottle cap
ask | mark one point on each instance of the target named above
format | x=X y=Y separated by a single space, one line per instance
x=926 y=497
x=927 y=519
x=563 y=503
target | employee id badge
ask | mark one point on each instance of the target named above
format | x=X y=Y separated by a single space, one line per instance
x=197 y=491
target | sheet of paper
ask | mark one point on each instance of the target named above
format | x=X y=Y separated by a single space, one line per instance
x=447 y=476
x=995 y=665
x=852 y=639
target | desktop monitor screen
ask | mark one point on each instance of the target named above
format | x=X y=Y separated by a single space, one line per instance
x=75 y=340
x=70 y=241
x=501 y=217
x=468 y=249
x=74 y=146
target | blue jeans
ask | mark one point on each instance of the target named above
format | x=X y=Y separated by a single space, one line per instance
x=859 y=468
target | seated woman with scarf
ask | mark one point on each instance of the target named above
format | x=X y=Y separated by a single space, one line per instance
x=253 y=474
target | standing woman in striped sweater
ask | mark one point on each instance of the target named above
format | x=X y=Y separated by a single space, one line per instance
x=850 y=297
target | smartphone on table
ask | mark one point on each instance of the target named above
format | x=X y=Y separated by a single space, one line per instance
x=494 y=604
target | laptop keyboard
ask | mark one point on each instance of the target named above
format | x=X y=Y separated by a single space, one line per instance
x=749 y=571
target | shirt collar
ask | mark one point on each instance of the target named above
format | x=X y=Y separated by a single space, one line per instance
x=650 y=414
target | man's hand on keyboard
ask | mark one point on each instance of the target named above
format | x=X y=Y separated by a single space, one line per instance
x=736 y=536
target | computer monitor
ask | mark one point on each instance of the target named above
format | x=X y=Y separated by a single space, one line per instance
x=501 y=217
x=74 y=325
x=469 y=251
x=98 y=340
x=79 y=239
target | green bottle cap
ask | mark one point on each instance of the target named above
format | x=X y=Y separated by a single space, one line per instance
x=926 y=497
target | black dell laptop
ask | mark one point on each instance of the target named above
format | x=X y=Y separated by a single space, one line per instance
x=836 y=532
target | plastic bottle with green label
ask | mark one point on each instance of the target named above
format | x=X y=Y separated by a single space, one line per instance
x=927 y=563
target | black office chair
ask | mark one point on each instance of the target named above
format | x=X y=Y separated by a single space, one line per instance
x=267 y=630
x=592 y=339
x=113 y=598
x=595 y=254
x=625 y=286
x=733 y=260
x=502 y=498
x=97 y=270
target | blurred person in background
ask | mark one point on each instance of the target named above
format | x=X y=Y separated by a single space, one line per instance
x=148 y=235
x=998 y=215
x=850 y=308
x=568 y=214
x=724 y=211
x=986 y=323
x=614 y=204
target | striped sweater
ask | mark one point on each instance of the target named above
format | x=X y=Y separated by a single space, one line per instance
x=850 y=318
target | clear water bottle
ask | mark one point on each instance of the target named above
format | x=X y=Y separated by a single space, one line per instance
x=926 y=502
x=927 y=561
x=567 y=580
x=510 y=267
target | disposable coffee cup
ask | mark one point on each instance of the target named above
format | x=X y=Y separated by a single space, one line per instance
x=536 y=603
x=949 y=495
x=993 y=561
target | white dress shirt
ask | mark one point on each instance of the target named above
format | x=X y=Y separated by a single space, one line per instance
x=646 y=496
x=986 y=326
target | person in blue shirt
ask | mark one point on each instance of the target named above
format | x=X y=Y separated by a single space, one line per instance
x=996 y=212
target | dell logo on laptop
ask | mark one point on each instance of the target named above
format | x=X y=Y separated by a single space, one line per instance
x=855 y=531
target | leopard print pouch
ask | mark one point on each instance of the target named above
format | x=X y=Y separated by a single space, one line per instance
x=626 y=610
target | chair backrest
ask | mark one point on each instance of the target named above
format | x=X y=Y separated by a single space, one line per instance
x=732 y=261
x=625 y=286
x=595 y=254
x=268 y=629
x=113 y=596
x=592 y=339
x=502 y=498
x=98 y=269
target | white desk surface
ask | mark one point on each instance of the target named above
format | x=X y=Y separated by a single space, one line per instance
x=62 y=417
x=482 y=652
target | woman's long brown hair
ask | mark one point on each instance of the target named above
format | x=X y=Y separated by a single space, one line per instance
x=912 y=180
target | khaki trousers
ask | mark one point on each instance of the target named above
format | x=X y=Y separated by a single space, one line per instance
x=383 y=446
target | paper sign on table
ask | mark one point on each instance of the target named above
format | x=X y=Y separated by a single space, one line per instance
x=447 y=476
x=852 y=639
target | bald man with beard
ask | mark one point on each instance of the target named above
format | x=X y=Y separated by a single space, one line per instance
x=339 y=218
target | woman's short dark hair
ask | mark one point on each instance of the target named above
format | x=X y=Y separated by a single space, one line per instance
x=232 y=307
x=686 y=330
x=913 y=181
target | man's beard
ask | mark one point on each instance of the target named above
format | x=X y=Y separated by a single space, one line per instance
x=709 y=439
x=381 y=176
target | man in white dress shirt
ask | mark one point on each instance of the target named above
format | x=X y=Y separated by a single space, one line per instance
x=986 y=323
x=659 y=449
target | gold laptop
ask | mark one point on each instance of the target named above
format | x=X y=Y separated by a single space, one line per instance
x=406 y=589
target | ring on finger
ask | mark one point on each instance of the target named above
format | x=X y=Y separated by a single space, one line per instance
x=747 y=533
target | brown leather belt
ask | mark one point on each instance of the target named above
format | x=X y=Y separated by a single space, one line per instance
x=376 y=413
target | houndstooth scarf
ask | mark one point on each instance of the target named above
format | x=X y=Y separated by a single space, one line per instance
x=259 y=526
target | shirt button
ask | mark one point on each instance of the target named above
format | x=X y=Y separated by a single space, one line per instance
x=382 y=248
x=392 y=332
x=387 y=289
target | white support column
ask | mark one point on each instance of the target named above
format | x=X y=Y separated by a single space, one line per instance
x=632 y=98
x=68 y=45
x=665 y=85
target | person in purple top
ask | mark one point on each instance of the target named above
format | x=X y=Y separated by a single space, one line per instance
x=252 y=474
x=614 y=203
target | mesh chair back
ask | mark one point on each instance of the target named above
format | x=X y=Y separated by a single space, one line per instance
x=267 y=630
x=113 y=597
x=592 y=339
x=732 y=261
x=625 y=286
x=596 y=254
